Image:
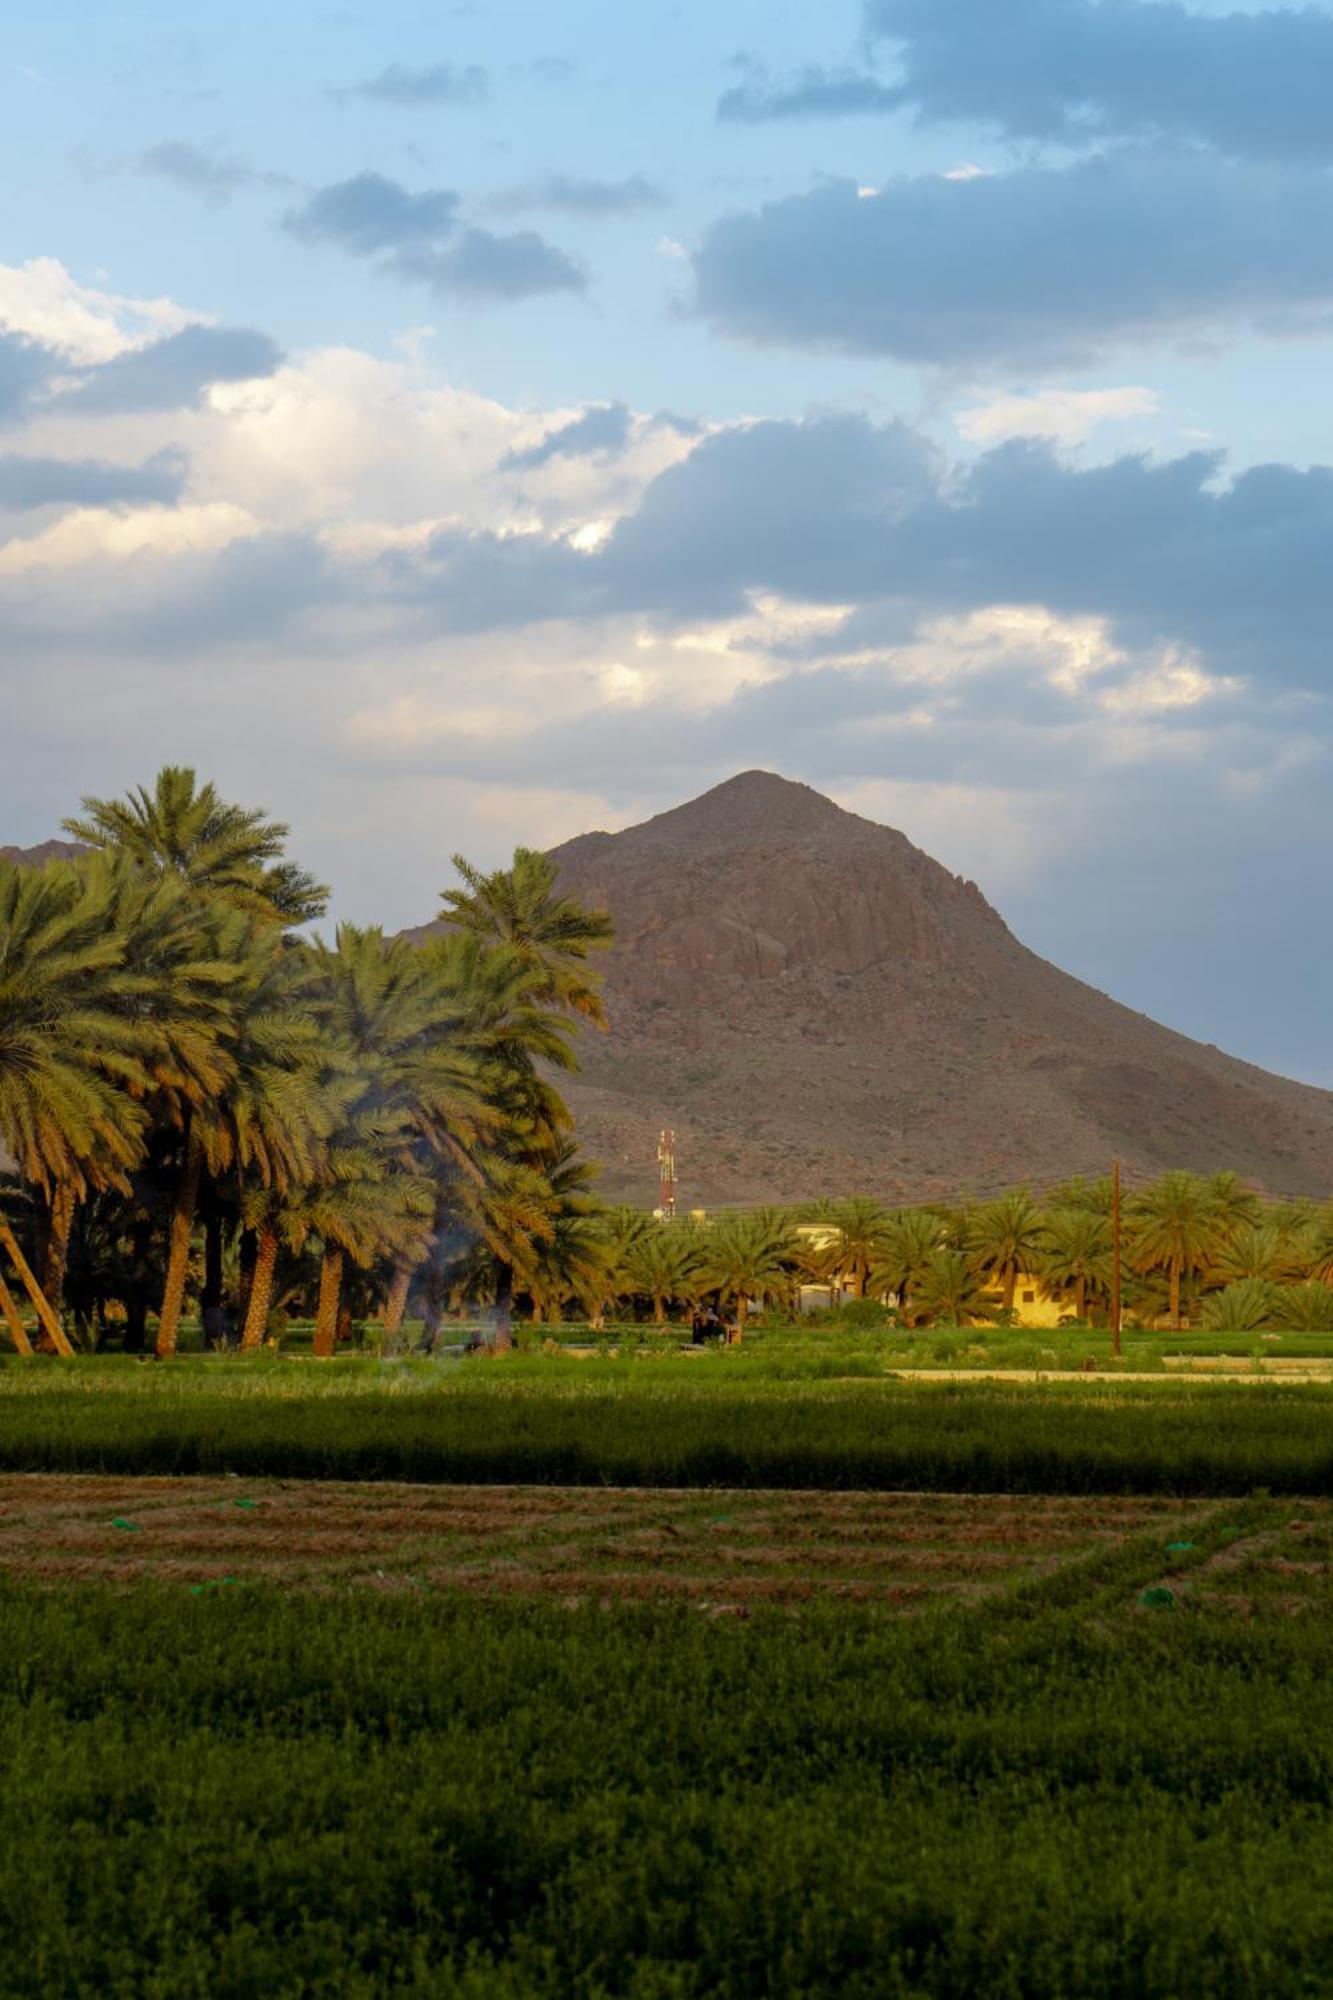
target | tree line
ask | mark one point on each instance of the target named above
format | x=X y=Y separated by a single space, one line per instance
x=199 y=1099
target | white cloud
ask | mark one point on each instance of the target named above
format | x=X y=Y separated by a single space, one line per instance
x=1068 y=416
x=44 y=301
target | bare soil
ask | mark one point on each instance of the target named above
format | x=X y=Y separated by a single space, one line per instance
x=717 y=1549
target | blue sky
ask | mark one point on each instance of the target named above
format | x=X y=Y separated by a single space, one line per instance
x=454 y=426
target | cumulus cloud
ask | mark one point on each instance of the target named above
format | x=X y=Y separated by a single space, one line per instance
x=370 y=213
x=482 y=265
x=30 y=483
x=591 y=199
x=25 y=368
x=1076 y=72
x=1255 y=85
x=1034 y=268
x=1068 y=416
x=424 y=85
x=418 y=237
x=174 y=373
x=604 y=428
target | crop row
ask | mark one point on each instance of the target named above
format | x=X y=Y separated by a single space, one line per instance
x=246 y=1792
x=989 y=1437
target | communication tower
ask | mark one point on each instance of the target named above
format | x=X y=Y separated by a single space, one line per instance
x=666 y=1169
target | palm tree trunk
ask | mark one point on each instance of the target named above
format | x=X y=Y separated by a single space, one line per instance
x=1175 y=1296
x=63 y=1203
x=659 y=1311
x=741 y=1303
x=1080 y=1297
x=326 y=1317
x=178 y=1248
x=261 y=1287
x=10 y=1311
x=1010 y=1285
x=395 y=1305
x=54 y=1331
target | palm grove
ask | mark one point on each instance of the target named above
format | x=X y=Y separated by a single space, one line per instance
x=197 y=1100
x=200 y=1105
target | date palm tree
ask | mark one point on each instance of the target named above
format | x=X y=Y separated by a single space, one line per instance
x=952 y=1292
x=911 y=1240
x=745 y=1257
x=1007 y=1238
x=186 y=829
x=1260 y=1250
x=519 y=906
x=664 y=1266
x=861 y=1224
x=1175 y=1230
x=1075 y=1256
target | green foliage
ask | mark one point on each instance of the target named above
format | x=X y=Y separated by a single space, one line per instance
x=362 y=1795
x=637 y=1423
x=1243 y=1307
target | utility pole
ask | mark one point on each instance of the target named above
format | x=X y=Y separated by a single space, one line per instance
x=1115 y=1259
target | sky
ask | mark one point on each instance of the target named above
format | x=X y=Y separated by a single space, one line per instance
x=455 y=427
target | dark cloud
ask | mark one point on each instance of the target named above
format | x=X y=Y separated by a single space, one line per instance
x=174 y=373
x=481 y=265
x=27 y=483
x=1035 y=268
x=592 y=199
x=835 y=510
x=418 y=238
x=427 y=84
x=1256 y=85
x=603 y=429
x=25 y=368
x=370 y=213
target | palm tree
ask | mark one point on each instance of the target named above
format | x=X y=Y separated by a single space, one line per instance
x=746 y=1256
x=952 y=1291
x=1243 y=1307
x=1007 y=1238
x=1260 y=1250
x=553 y=934
x=1076 y=1256
x=664 y=1266
x=1175 y=1230
x=861 y=1223
x=68 y=1047
x=185 y=829
x=910 y=1242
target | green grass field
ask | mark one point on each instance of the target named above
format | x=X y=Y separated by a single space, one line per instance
x=708 y=1706
x=1059 y=1792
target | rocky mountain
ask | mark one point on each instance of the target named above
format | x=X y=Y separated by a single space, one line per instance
x=36 y=857
x=815 y=1006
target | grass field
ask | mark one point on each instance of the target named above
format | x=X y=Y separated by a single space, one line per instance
x=1052 y=1789
x=673 y=1691
x=671 y=1422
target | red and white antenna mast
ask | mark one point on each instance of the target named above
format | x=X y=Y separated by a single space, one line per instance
x=666 y=1168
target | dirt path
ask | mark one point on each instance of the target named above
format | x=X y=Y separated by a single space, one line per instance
x=721 y=1550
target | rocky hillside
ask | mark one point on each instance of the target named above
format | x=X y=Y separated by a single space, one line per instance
x=816 y=1006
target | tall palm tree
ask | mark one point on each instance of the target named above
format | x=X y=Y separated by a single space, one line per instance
x=1175 y=1229
x=952 y=1291
x=70 y=1044
x=1261 y=1250
x=746 y=1256
x=861 y=1225
x=664 y=1266
x=187 y=830
x=519 y=906
x=1007 y=1238
x=911 y=1239
x=1075 y=1256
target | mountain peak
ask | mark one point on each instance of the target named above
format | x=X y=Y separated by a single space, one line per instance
x=751 y=809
